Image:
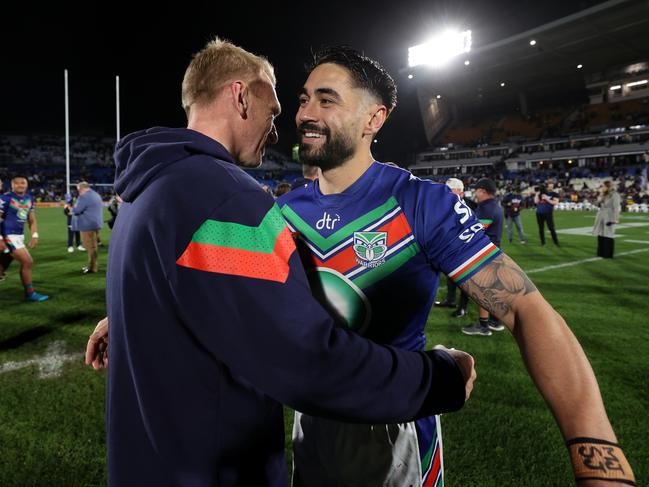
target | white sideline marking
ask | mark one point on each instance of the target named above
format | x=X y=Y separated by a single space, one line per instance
x=49 y=365
x=638 y=241
x=589 y=230
x=583 y=261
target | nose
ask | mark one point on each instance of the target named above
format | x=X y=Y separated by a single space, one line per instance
x=273 y=136
x=306 y=113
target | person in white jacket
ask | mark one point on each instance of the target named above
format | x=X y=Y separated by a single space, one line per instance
x=607 y=217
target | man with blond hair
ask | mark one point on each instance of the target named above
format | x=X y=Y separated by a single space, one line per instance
x=213 y=325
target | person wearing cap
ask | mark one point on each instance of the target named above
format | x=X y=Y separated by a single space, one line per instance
x=456 y=186
x=490 y=215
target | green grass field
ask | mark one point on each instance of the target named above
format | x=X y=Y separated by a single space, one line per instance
x=51 y=415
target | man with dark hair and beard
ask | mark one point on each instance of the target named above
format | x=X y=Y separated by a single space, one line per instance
x=374 y=240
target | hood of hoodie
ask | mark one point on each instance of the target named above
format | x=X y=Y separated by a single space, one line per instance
x=140 y=156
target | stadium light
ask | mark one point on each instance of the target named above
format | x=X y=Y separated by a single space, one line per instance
x=440 y=49
x=467 y=62
x=579 y=66
x=502 y=84
x=616 y=87
x=637 y=83
x=532 y=42
x=438 y=96
x=410 y=76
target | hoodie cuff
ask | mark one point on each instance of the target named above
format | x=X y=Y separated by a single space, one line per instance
x=447 y=392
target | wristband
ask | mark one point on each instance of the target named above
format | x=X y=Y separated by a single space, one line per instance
x=35 y=235
x=595 y=459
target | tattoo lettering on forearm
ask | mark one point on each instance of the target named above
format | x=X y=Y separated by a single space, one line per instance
x=497 y=285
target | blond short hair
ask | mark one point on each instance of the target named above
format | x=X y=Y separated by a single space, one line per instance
x=217 y=63
x=83 y=185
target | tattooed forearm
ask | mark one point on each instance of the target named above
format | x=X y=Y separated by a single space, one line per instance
x=497 y=285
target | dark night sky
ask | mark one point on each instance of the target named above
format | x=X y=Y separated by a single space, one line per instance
x=149 y=45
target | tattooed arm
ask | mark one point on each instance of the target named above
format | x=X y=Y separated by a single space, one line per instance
x=552 y=354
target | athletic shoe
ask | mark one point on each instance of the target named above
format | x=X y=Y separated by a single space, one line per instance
x=70 y=249
x=523 y=242
x=476 y=329
x=36 y=297
x=458 y=313
x=81 y=247
x=445 y=304
x=85 y=270
x=495 y=325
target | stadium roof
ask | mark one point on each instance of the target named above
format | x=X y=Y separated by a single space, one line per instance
x=609 y=34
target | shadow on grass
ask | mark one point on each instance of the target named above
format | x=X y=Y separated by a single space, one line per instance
x=24 y=337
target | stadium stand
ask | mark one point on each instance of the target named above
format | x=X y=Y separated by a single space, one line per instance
x=42 y=159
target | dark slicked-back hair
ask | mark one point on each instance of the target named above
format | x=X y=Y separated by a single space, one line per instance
x=365 y=72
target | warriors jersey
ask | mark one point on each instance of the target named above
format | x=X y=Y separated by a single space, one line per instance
x=373 y=254
x=14 y=211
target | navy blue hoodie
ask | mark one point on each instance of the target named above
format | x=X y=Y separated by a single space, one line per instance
x=204 y=352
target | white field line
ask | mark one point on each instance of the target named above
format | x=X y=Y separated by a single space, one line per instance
x=583 y=261
x=49 y=365
x=638 y=241
x=589 y=230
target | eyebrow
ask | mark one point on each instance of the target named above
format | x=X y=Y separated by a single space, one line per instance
x=320 y=91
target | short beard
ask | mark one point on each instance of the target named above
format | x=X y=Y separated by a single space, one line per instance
x=337 y=150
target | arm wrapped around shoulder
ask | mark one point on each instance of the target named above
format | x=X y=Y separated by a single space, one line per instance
x=452 y=384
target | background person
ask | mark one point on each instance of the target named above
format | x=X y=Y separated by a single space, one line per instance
x=457 y=187
x=546 y=199
x=607 y=217
x=16 y=209
x=490 y=215
x=88 y=219
x=74 y=237
x=309 y=173
x=512 y=206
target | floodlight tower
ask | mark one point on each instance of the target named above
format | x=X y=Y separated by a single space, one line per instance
x=438 y=54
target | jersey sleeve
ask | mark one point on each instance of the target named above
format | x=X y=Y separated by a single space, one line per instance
x=452 y=237
x=240 y=288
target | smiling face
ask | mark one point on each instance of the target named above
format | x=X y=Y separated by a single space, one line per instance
x=330 y=117
x=19 y=185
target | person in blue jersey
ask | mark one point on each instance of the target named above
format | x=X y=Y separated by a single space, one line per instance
x=374 y=240
x=546 y=198
x=16 y=209
x=490 y=215
x=212 y=322
x=512 y=205
x=5 y=255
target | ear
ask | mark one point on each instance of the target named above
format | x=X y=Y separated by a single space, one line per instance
x=240 y=94
x=378 y=116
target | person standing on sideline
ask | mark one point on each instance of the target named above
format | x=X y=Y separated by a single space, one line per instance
x=74 y=237
x=607 y=217
x=5 y=255
x=88 y=219
x=457 y=187
x=512 y=206
x=16 y=208
x=490 y=215
x=546 y=199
